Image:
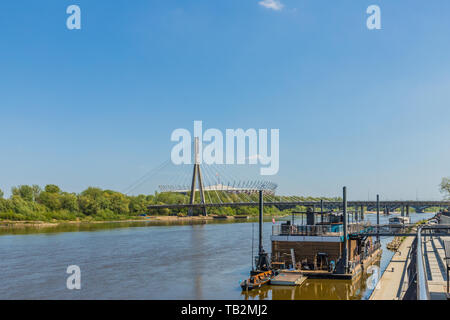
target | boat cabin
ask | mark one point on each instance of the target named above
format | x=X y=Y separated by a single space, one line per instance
x=316 y=246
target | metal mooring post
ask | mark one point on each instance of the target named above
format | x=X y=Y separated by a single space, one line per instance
x=314 y=213
x=378 y=217
x=321 y=210
x=261 y=210
x=263 y=258
x=344 y=205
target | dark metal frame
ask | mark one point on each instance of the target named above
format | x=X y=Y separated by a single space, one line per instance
x=326 y=204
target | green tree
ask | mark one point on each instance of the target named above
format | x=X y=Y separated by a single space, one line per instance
x=1 y=194
x=97 y=195
x=50 y=200
x=69 y=201
x=88 y=205
x=138 y=204
x=117 y=202
x=25 y=192
x=51 y=188
x=36 y=191
x=92 y=192
x=445 y=187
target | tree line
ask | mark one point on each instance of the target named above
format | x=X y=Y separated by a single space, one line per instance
x=32 y=203
x=51 y=203
x=36 y=204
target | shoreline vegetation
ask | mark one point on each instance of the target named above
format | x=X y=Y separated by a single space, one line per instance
x=31 y=206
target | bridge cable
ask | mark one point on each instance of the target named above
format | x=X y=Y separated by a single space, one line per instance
x=209 y=184
x=145 y=177
x=205 y=180
x=225 y=174
x=224 y=192
x=215 y=189
x=186 y=186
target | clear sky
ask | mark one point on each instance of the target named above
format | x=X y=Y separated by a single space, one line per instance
x=368 y=109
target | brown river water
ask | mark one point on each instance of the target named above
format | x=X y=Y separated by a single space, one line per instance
x=152 y=260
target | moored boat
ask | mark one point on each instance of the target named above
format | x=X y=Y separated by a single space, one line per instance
x=257 y=280
x=220 y=217
x=327 y=245
x=398 y=222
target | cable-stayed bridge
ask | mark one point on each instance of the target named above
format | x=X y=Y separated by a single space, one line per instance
x=200 y=186
x=285 y=203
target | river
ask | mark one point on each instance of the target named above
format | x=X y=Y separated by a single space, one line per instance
x=151 y=261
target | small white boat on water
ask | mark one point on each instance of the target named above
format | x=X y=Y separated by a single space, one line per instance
x=398 y=222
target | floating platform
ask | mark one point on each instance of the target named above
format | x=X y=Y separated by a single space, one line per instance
x=241 y=217
x=319 y=274
x=288 y=279
x=323 y=274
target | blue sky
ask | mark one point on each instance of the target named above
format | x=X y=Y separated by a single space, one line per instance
x=96 y=106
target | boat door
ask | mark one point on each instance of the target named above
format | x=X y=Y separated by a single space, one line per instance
x=322 y=261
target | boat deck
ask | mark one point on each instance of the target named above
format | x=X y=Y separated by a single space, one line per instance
x=324 y=274
x=288 y=279
x=435 y=257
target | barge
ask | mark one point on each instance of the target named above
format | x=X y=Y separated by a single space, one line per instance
x=330 y=248
x=398 y=222
x=322 y=249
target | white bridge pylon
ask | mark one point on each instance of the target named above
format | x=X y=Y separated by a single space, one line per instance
x=215 y=183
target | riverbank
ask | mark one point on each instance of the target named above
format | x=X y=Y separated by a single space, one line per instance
x=7 y=224
x=18 y=224
x=12 y=224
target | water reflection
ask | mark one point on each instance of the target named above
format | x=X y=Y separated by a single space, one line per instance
x=314 y=289
x=197 y=241
x=101 y=226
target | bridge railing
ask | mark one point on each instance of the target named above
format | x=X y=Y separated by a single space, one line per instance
x=423 y=292
x=314 y=230
x=411 y=273
x=384 y=229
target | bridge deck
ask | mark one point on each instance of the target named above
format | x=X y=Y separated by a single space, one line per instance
x=326 y=204
x=435 y=265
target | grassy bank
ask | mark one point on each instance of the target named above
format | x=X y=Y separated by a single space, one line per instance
x=63 y=216
x=52 y=205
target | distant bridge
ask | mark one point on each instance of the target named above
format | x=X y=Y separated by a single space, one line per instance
x=317 y=204
x=218 y=188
